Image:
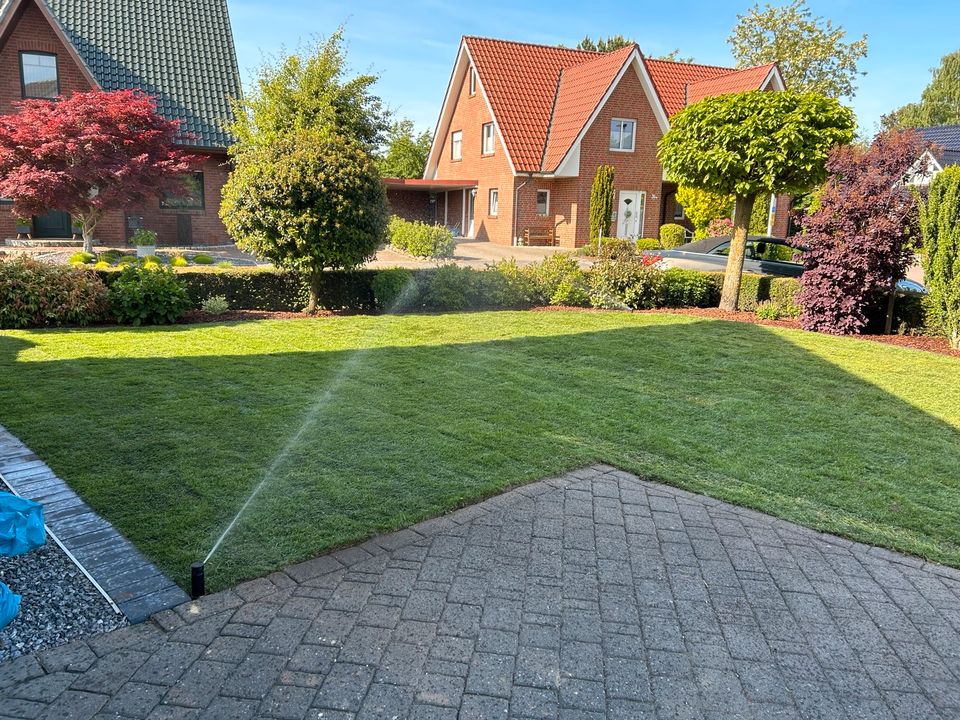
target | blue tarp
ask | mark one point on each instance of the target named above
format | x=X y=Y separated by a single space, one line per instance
x=9 y=605
x=21 y=525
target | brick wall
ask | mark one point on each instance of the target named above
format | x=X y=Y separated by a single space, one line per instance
x=32 y=32
x=490 y=171
x=415 y=205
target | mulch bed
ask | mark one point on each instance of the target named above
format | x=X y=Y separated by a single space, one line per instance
x=914 y=342
x=199 y=316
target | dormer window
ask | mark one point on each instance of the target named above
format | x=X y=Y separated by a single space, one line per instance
x=38 y=76
x=473 y=81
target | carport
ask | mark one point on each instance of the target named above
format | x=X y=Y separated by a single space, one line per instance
x=439 y=202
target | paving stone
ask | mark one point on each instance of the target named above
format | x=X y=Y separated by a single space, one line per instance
x=586 y=596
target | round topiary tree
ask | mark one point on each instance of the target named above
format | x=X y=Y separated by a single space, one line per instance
x=940 y=225
x=308 y=201
x=753 y=143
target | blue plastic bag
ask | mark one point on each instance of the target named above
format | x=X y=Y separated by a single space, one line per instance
x=21 y=525
x=9 y=605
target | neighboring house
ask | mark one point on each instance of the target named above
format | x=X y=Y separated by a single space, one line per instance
x=180 y=52
x=943 y=143
x=530 y=124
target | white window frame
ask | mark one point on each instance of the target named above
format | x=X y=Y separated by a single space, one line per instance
x=493 y=202
x=472 y=84
x=456 y=145
x=633 y=135
x=546 y=211
x=485 y=129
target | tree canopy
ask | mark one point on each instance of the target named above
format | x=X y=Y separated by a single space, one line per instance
x=405 y=155
x=749 y=144
x=859 y=241
x=702 y=207
x=311 y=199
x=604 y=44
x=310 y=89
x=939 y=103
x=814 y=55
x=88 y=154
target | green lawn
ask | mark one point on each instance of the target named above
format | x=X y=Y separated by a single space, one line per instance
x=166 y=431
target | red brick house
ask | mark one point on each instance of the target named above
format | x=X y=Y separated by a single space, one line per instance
x=530 y=124
x=180 y=52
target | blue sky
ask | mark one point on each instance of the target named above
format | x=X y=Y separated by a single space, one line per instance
x=412 y=45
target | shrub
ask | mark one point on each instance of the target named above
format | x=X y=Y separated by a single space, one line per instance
x=390 y=286
x=144 y=237
x=202 y=259
x=612 y=248
x=179 y=261
x=768 y=310
x=224 y=264
x=690 y=288
x=82 y=258
x=127 y=260
x=721 y=227
x=420 y=239
x=940 y=224
x=101 y=265
x=558 y=280
x=627 y=281
x=215 y=305
x=142 y=296
x=520 y=282
x=155 y=259
x=35 y=294
x=451 y=287
x=648 y=244
x=672 y=235
x=111 y=256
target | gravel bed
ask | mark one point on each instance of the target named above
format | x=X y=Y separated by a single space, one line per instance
x=59 y=603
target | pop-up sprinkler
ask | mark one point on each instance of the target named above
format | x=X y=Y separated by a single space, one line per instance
x=196 y=580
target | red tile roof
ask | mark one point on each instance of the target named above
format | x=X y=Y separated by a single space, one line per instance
x=542 y=96
x=731 y=82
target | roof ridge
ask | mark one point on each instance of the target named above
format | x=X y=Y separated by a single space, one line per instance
x=533 y=44
x=691 y=64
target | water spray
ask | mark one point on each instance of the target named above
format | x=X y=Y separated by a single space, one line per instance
x=196 y=581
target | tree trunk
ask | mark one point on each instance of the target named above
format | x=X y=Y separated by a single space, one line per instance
x=315 y=279
x=742 y=210
x=955 y=339
x=88 y=223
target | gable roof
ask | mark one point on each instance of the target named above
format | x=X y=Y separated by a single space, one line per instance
x=179 y=51
x=946 y=136
x=543 y=97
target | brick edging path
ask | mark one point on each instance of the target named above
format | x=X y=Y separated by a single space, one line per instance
x=591 y=595
x=134 y=584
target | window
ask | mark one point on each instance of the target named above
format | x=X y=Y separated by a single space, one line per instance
x=678 y=213
x=488 y=138
x=543 y=202
x=456 y=145
x=622 y=134
x=473 y=81
x=494 y=202
x=192 y=197
x=38 y=75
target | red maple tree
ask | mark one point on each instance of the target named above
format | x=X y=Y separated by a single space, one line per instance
x=87 y=154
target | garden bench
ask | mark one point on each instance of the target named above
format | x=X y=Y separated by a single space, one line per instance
x=540 y=236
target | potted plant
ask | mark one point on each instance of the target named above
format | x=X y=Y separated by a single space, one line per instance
x=24 y=228
x=145 y=241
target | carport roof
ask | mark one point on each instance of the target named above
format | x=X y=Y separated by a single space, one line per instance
x=428 y=185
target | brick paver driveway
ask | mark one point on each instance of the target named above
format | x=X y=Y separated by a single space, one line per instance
x=588 y=596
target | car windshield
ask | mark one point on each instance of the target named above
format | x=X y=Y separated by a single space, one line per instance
x=764 y=250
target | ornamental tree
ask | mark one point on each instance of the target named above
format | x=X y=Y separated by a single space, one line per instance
x=601 y=203
x=750 y=144
x=308 y=201
x=858 y=243
x=702 y=207
x=940 y=224
x=88 y=154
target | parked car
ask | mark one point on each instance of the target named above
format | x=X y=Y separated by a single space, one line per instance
x=765 y=256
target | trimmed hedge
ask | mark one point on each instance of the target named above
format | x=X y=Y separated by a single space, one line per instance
x=37 y=294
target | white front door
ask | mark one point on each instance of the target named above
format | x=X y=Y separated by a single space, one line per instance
x=630 y=213
x=471 y=209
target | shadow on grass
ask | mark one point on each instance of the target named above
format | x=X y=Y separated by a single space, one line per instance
x=169 y=448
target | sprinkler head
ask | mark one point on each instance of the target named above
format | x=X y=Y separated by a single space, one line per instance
x=196 y=580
